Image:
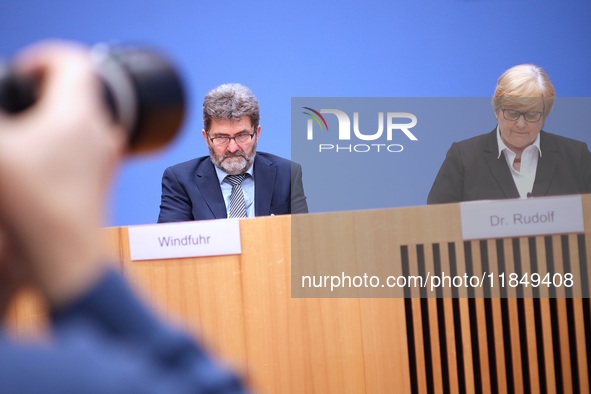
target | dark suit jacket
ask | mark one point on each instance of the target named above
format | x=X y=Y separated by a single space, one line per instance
x=472 y=171
x=191 y=190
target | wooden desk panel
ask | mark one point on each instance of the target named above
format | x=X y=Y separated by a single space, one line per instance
x=241 y=308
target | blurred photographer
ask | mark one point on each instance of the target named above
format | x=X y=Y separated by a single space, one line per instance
x=56 y=163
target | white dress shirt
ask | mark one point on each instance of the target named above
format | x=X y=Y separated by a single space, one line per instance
x=524 y=177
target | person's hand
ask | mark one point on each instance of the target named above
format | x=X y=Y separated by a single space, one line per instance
x=56 y=163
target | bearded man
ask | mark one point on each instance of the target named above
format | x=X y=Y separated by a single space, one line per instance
x=234 y=180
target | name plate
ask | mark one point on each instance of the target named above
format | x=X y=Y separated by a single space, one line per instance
x=186 y=239
x=521 y=217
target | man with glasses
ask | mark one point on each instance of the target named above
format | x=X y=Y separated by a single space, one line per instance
x=234 y=180
x=517 y=159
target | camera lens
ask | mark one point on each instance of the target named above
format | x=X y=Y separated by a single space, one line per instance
x=142 y=90
x=17 y=93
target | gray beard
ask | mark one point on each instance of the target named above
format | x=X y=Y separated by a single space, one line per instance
x=233 y=163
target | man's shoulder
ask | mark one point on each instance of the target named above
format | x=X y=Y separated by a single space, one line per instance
x=190 y=165
x=270 y=158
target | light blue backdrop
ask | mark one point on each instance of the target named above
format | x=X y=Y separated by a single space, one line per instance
x=416 y=48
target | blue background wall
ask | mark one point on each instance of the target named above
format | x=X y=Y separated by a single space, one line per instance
x=416 y=48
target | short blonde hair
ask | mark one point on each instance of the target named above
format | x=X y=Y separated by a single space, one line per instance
x=524 y=84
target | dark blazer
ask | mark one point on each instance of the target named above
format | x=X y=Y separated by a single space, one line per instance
x=472 y=170
x=191 y=190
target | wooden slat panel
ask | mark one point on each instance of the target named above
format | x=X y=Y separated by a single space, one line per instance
x=433 y=316
x=448 y=321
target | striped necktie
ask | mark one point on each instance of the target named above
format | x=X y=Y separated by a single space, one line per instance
x=237 y=205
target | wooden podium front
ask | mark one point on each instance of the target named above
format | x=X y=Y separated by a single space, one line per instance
x=241 y=308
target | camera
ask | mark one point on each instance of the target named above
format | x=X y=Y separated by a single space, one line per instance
x=141 y=88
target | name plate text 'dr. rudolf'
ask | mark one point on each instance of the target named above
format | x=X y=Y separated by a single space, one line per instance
x=521 y=217
x=186 y=239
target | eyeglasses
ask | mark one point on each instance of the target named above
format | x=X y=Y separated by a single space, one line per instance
x=531 y=117
x=239 y=139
